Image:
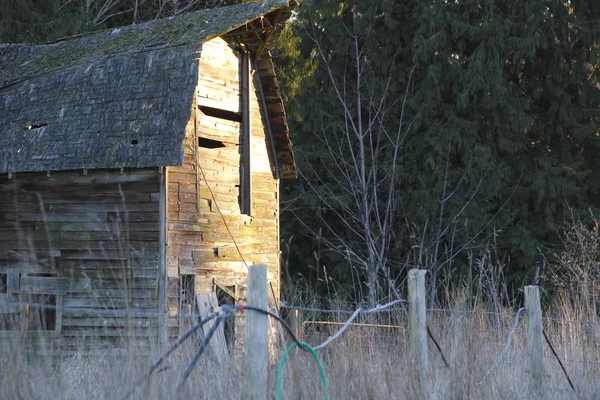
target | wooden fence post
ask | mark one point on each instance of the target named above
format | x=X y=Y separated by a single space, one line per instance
x=418 y=331
x=255 y=343
x=535 y=339
x=297 y=323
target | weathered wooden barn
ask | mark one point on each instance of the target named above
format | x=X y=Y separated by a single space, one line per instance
x=139 y=168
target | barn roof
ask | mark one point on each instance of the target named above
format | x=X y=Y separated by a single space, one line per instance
x=121 y=98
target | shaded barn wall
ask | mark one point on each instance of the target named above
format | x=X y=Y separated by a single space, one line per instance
x=204 y=194
x=86 y=241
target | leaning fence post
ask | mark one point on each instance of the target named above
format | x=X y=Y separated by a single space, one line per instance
x=418 y=331
x=535 y=339
x=255 y=343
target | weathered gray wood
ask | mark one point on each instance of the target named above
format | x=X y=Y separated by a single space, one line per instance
x=115 y=322
x=46 y=284
x=8 y=304
x=59 y=313
x=207 y=303
x=162 y=274
x=13 y=282
x=246 y=166
x=256 y=358
x=535 y=340
x=104 y=303
x=218 y=129
x=418 y=331
x=185 y=323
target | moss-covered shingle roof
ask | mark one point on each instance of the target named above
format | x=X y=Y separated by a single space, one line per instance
x=18 y=62
x=110 y=99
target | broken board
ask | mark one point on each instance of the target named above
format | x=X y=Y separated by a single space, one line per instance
x=207 y=304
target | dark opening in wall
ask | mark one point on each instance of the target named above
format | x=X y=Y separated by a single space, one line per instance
x=38 y=315
x=223 y=114
x=210 y=143
x=3 y=283
x=187 y=293
x=134 y=141
x=225 y=298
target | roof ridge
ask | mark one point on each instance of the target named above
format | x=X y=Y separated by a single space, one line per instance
x=23 y=61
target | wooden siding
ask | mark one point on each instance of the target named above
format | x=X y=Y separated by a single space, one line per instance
x=93 y=241
x=204 y=220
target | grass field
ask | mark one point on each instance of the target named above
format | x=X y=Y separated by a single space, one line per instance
x=365 y=363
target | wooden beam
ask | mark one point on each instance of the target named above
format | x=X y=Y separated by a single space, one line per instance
x=225 y=289
x=268 y=129
x=268 y=34
x=245 y=83
x=48 y=284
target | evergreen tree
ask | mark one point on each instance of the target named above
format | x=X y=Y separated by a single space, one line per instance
x=502 y=120
x=30 y=21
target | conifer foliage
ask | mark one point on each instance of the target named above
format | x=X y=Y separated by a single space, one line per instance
x=499 y=137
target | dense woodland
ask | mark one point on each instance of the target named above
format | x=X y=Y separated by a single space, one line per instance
x=461 y=137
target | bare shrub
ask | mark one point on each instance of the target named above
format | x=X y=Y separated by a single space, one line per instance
x=577 y=269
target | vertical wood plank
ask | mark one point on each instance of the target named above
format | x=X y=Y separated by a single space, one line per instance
x=246 y=134
x=418 y=331
x=13 y=282
x=162 y=274
x=297 y=325
x=535 y=340
x=256 y=353
x=59 y=313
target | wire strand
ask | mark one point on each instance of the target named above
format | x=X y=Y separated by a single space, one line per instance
x=376 y=309
x=437 y=346
x=222 y=216
x=558 y=359
x=166 y=355
x=503 y=352
x=203 y=346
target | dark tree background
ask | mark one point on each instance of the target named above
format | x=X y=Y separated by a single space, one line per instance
x=501 y=144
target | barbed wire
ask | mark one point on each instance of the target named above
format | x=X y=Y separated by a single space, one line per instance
x=376 y=309
x=117 y=312
x=459 y=311
x=350 y=312
x=340 y=311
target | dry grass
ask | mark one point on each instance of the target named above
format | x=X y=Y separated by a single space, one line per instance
x=366 y=362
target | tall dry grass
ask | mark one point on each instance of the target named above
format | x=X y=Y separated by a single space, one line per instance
x=365 y=363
